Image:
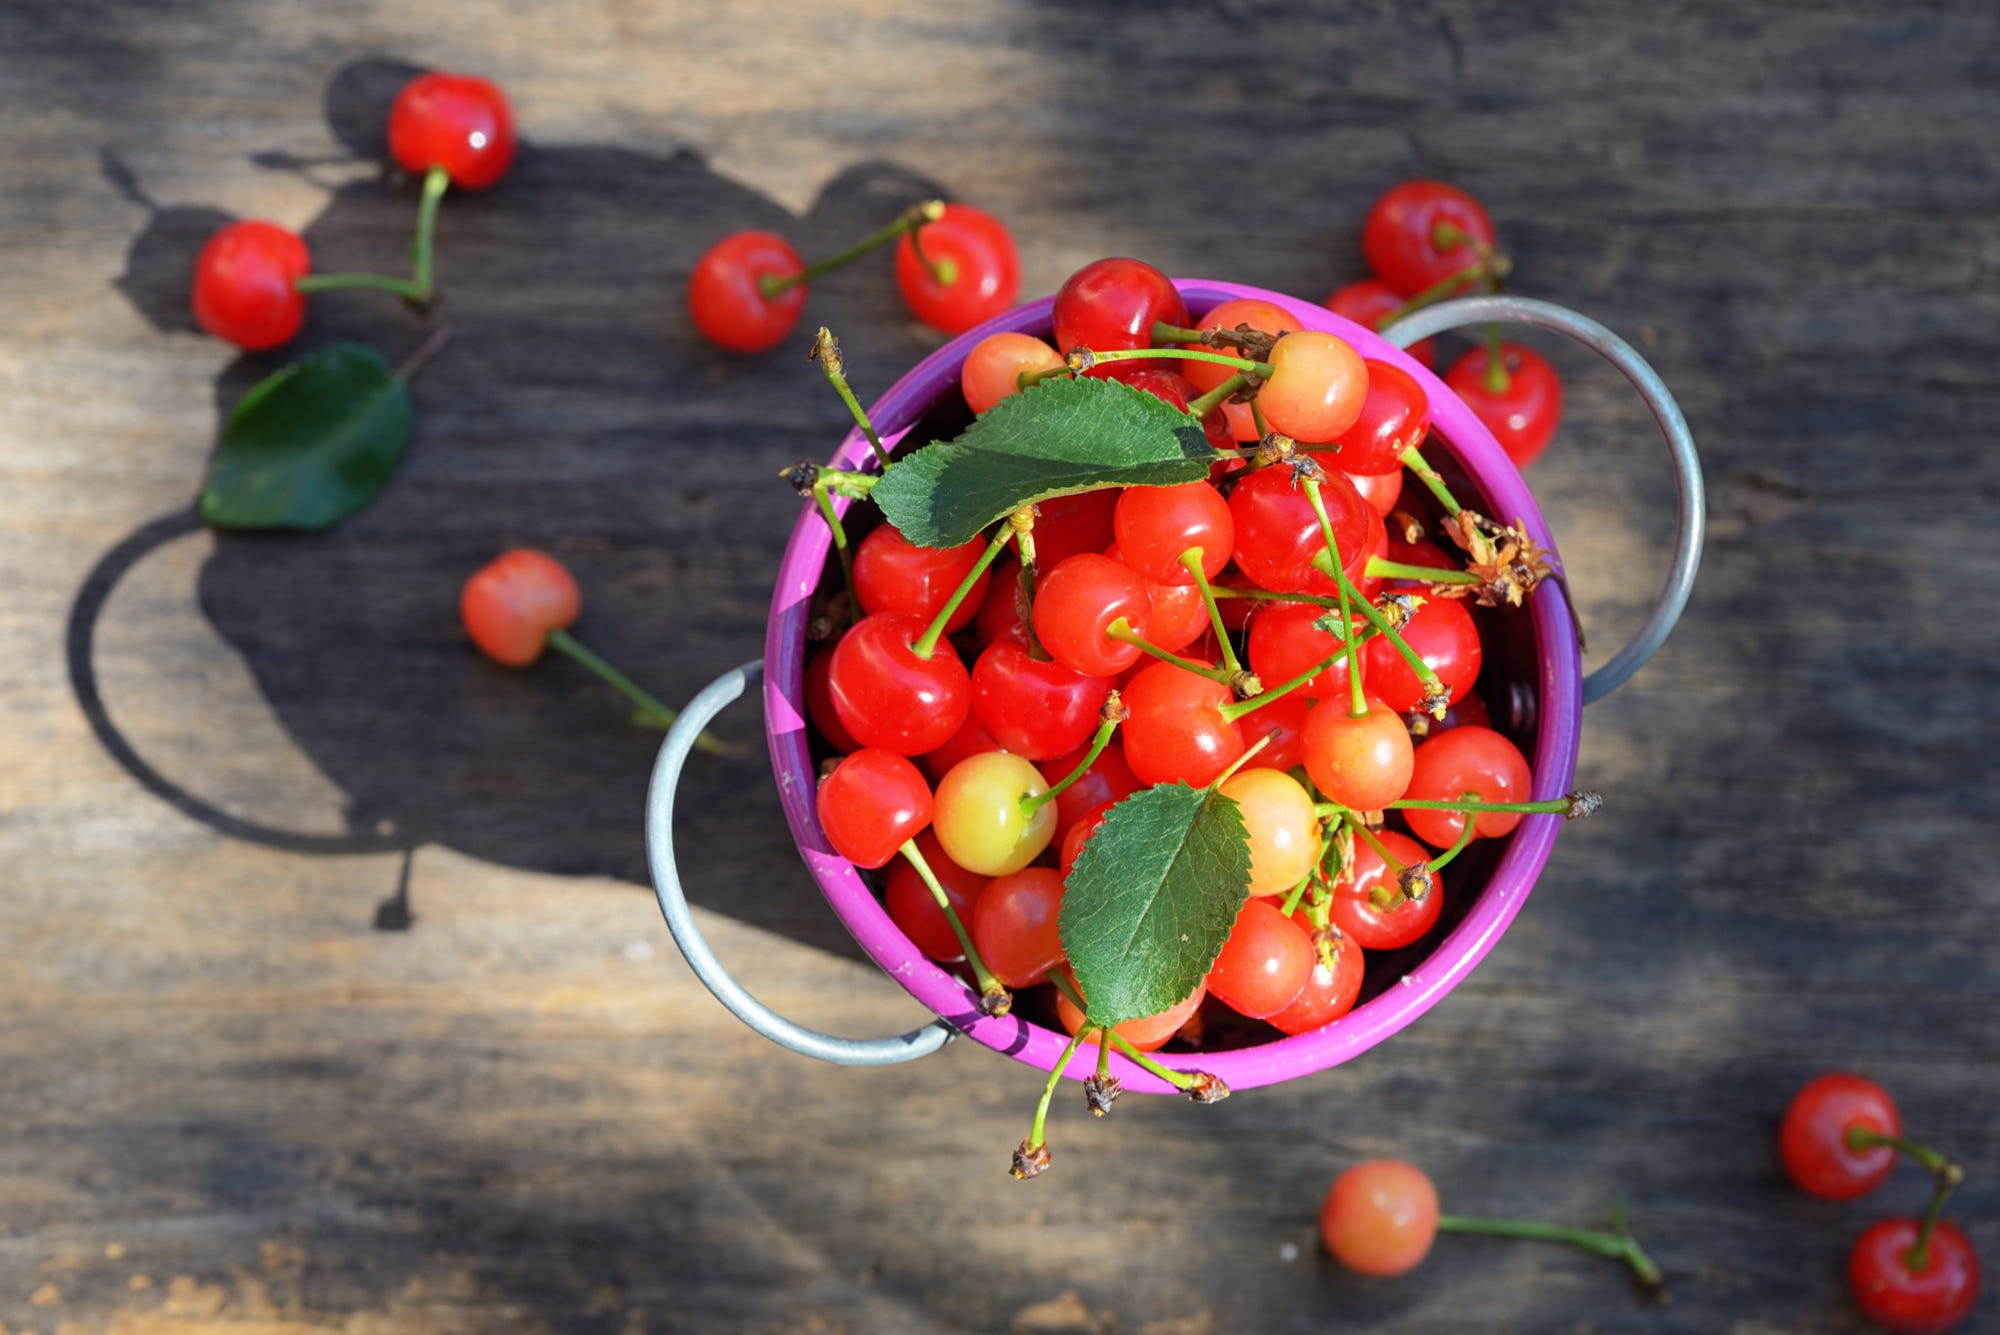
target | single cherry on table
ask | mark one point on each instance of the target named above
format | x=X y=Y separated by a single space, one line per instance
x=456 y=122
x=243 y=284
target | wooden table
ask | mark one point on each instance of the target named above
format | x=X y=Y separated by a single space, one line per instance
x=231 y=1103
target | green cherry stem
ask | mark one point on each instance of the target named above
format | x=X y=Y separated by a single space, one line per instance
x=1861 y=1138
x=1381 y=569
x=1121 y=630
x=1360 y=827
x=1022 y=521
x=1033 y=1156
x=1297 y=893
x=1110 y=716
x=1267 y=595
x=1554 y=806
x=1436 y=292
x=1199 y=408
x=1239 y=708
x=1918 y=1257
x=1497 y=379
x=926 y=644
x=943 y=271
x=1026 y=379
x=1358 y=704
x=826 y=351
x=775 y=285
x=1241 y=760
x=1618 y=1245
x=1191 y=562
x=994 y=998
x=420 y=286
x=825 y=504
x=1082 y=359
x=650 y=711
x=1465 y=834
x=1414 y=460
x=1428 y=679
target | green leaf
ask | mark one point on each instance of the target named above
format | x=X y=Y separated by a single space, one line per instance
x=311 y=444
x=1053 y=438
x=1152 y=898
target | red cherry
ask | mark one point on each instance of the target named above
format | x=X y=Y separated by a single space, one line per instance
x=1108 y=780
x=1380 y=1217
x=971 y=739
x=1112 y=304
x=1891 y=1294
x=1156 y=525
x=1148 y=1033
x=1014 y=925
x=1363 y=763
x=1316 y=386
x=1067 y=525
x=971 y=248
x=1395 y=415
x=887 y=696
x=243 y=291
x=819 y=704
x=1370 y=303
x=1264 y=964
x=1284 y=722
x=994 y=367
x=1078 y=834
x=1380 y=490
x=726 y=302
x=892 y=574
x=915 y=910
x=872 y=803
x=1402 y=234
x=1179 y=615
x=1443 y=635
x=1176 y=731
x=510 y=605
x=1462 y=760
x=1035 y=708
x=1328 y=993
x=1812 y=1140
x=1283 y=643
x=1278 y=535
x=1078 y=600
x=456 y=122
x=1522 y=414
x=1354 y=910
x=1264 y=316
x=1472 y=711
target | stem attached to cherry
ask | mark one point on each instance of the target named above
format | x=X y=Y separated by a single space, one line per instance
x=1619 y=1244
x=419 y=287
x=1378 y=568
x=1414 y=460
x=1191 y=561
x=926 y=644
x=994 y=999
x=1434 y=688
x=1497 y=380
x=776 y=285
x=650 y=712
x=826 y=351
x=1121 y=631
x=825 y=504
x=1022 y=521
x=1109 y=717
x=1083 y=359
x=1032 y=1158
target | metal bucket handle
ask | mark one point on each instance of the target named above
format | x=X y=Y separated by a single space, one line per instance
x=724 y=690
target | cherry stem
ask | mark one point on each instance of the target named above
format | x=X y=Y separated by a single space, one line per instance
x=926 y=644
x=825 y=503
x=1298 y=892
x=1618 y=1245
x=1121 y=631
x=419 y=287
x=1465 y=834
x=1026 y=379
x=1554 y=806
x=1257 y=420
x=1178 y=1079
x=1082 y=359
x=776 y=285
x=1414 y=460
x=1497 y=380
x=651 y=711
x=826 y=351
x=1389 y=860
x=1378 y=568
x=1036 y=1135
x=1862 y=1138
x=1425 y=676
x=1267 y=595
x=994 y=998
x=942 y=271
x=1918 y=1257
x=1191 y=562
x=1239 y=708
x=1435 y=293
x=1199 y=408
x=1114 y=713
x=842 y=482
x=1242 y=760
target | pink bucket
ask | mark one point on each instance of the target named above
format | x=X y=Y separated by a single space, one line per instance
x=1548 y=691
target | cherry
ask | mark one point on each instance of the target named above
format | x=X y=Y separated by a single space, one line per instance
x=1284 y=642
x=892 y=574
x=1179 y=616
x=243 y=291
x=725 y=297
x=1365 y=762
x=1466 y=759
x=1000 y=611
x=915 y=910
x=1264 y=964
x=1112 y=304
x=1370 y=925
x=1263 y=316
x=1156 y=526
x=454 y=121
x=1284 y=721
x=1278 y=817
x=1278 y=535
x=1108 y=780
x=1443 y=635
x=1521 y=406
x=1329 y=993
x=1812 y=1140
x=994 y=367
x=1316 y=386
x=971 y=739
x=1148 y=1033
x=888 y=697
x=1895 y=1294
x=982 y=818
x=1177 y=731
x=1380 y=490
x=1380 y=1217
x=973 y=274
x=819 y=705
x=873 y=803
x=1077 y=602
x=1078 y=833
x=1015 y=925
x=510 y=605
x=1395 y=416
x=1066 y=525
x=1420 y=233
x=1034 y=708
x=1373 y=304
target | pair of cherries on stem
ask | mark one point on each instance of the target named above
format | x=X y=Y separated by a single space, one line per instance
x=252 y=278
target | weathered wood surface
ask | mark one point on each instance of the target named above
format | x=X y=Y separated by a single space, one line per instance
x=229 y=1103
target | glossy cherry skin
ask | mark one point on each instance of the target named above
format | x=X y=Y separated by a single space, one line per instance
x=1937 y=1298
x=1395 y=415
x=1264 y=316
x=1066 y=525
x=1812 y=1140
x=819 y=704
x=1328 y=993
x=915 y=910
x=888 y=697
x=1109 y=779
x=1524 y=415
x=994 y=367
x=1035 y=708
x=1317 y=386
x=1015 y=925
x=872 y=803
x=1283 y=643
x=892 y=574
x=243 y=291
x=1370 y=303
x=1078 y=833
x=980 y=818
x=1179 y=616
x=1176 y=732
x=1353 y=908
x=1284 y=721
x=454 y=121
x=1156 y=526
x=1463 y=760
x=971 y=739
x=1264 y=964
x=1380 y=490
x=1112 y=304
x=725 y=301
x=1148 y=1033
x=1399 y=236
x=1078 y=600
x=1380 y=1217
x=1443 y=635
x=1278 y=535
x=1278 y=816
x=976 y=252
x=1362 y=763
x=511 y=603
